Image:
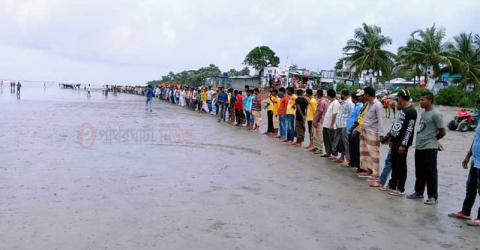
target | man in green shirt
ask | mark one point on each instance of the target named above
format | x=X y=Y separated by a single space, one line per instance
x=431 y=130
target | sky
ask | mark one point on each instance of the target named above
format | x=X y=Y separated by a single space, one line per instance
x=129 y=42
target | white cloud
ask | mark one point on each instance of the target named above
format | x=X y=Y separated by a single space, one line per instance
x=128 y=42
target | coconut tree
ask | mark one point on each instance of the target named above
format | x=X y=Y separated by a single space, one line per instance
x=467 y=59
x=407 y=61
x=366 y=51
x=426 y=48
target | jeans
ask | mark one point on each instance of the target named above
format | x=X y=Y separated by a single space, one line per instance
x=149 y=103
x=399 y=169
x=209 y=104
x=426 y=172
x=282 y=125
x=328 y=139
x=354 y=144
x=473 y=186
x=223 y=110
x=290 y=127
x=387 y=169
x=248 y=117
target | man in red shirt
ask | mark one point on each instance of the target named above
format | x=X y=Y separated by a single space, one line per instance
x=281 y=113
x=239 y=109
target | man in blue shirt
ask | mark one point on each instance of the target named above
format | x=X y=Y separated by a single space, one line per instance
x=473 y=181
x=149 y=97
x=222 y=102
x=354 y=141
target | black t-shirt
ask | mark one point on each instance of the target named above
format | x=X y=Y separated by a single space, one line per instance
x=303 y=106
x=402 y=128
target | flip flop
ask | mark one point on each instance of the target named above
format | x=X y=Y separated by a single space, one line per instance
x=459 y=215
x=474 y=223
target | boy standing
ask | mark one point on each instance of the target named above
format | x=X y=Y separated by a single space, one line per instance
x=300 y=117
x=401 y=138
x=312 y=108
x=329 y=127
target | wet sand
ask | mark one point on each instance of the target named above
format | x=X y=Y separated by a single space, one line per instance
x=228 y=188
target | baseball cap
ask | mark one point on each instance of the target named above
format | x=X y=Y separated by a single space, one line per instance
x=359 y=92
x=404 y=94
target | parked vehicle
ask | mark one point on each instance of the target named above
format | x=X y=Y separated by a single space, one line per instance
x=464 y=121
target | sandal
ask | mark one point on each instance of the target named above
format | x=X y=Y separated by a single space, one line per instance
x=474 y=223
x=376 y=185
x=459 y=215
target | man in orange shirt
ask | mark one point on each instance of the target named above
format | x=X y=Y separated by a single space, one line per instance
x=281 y=113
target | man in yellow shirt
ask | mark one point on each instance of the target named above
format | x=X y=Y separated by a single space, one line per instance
x=274 y=103
x=291 y=116
x=311 y=109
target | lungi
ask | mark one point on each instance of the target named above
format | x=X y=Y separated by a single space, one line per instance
x=276 y=122
x=257 y=116
x=300 y=129
x=317 y=137
x=370 y=152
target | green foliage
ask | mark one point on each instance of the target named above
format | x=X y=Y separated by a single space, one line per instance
x=367 y=51
x=190 y=77
x=261 y=57
x=351 y=88
x=454 y=96
x=417 y=93
x=426 y=48
x=466 y=52
x=244 y=72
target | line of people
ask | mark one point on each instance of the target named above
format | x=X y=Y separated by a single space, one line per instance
x=347 y=130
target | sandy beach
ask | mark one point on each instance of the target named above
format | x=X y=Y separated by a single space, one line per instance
x=204 y=186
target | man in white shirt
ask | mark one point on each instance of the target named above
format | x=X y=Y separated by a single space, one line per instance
x=209 y=99
x=329 y=126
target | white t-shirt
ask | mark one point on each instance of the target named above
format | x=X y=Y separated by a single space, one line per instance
x=209 y=95
x=333 y=108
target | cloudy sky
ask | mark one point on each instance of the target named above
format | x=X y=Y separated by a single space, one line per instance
x=133 y=41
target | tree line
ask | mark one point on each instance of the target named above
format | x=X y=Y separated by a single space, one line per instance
x=426 y=53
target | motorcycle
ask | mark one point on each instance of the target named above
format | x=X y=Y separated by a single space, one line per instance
x=464 y=121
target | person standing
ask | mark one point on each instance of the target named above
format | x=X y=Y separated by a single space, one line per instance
x=221 y=100
x=431 y=129
x=209 y=99
x=354 y=141
x=239 y=109
x=88 y=91
x=370 y=135
x=269 y=108
x=231 y=107
x=473 y=180
x=300 y=117
x=247 y=104
x=290 y=111
x=318 y=118
x=341 y=136
x=149 y=97
x=257 y=109
x=400 y=139
x=281 y=114
x=19 y=85
x=329 y=127
x=311 y=109
x=275 y=106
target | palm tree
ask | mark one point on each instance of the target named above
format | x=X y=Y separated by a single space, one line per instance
x=467 y=59
x=407 y=61
x=428 y=50
x=366 y=51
